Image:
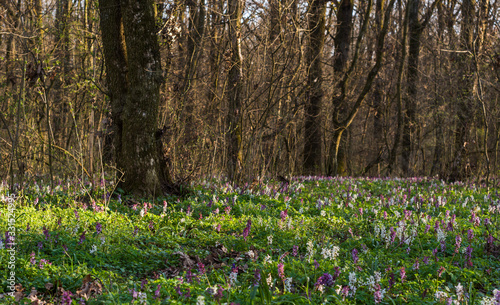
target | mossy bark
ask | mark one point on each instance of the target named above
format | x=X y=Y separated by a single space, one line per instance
x=134 y=74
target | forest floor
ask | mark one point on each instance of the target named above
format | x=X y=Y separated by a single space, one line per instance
x=311 y=241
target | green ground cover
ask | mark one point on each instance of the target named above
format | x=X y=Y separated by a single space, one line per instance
x=312 y=241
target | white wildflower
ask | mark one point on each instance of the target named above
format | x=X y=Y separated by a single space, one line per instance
x=142 y=297
x=94 y=249
x=378 y=276
x=269 y=280
x=200 y=300
x=232 y=278
x=441 y=235
x=441 y=295
x=288 y=284
x=460 y=291
x=270 y=240
x=267 y=259
x=251 y=254
x=323 y=213
x=310 y=249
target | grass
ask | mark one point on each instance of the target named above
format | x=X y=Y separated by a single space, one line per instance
x=315 y=240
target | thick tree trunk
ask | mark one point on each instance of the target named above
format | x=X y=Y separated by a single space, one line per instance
x=314 y=91
x=466 y=110
x=342 y=43
x=134 y=76
x=410 y=101
x=234 y=92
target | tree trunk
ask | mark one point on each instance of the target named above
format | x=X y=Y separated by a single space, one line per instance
x=466 y=110
x=134 y=76
x=410 y=101
x=314 y=91
x=342 y=43
x=234 y=92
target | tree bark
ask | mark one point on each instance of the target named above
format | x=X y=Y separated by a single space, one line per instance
x=134 y=76
x=314 y=91
x=234 y=92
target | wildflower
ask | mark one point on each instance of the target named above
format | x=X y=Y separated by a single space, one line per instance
x=32 y=258
x=440 y=271
x=281 y=270
x=40 y=245
x=142 y=296
x=310 y=249
x=287 y=283
x=200 y=300
x=82 y=238
x=441 y=236
x=269 y=280
x=441 y=295
x=76 y=215
x=352 y=282
x=378 y=294
x=283 y=215
x=201 y=268
x=94 y=249
x=98 y=228
x=46 y=233
x=391 y=280
x=219 y=294
x=270 y=240
x=66 y=298
x=316 y=264
x=136 y=229
x=416 y=265
x=355 y=255
x=157 y=292
x=326 y=280
x=460 y=292
x=295 y=250
x=256 y=277
x=144 y=282
x=458 y=241
x=233 y=276
x=470 y=234
x=403 y=274
x=246 y=231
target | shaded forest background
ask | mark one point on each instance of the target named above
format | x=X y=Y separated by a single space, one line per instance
x=254 y=88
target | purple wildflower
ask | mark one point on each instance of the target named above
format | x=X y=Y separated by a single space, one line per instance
x=40 y=245
x=416 y=265
x=82 y=238
x=326 y=280
x=66 y=298
x=355 y=255
x=470 y=234
x=440 y=271
x=201 y=268
x=403 y=274
x=295 y=250
x=256 y=277
x=281 y=270
x=246 y=231
x=157 y=292
x=98 y=228
x=458 y=242
x=32 y=258
x=136 y=229
x=283 y=215
x=377 y=294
